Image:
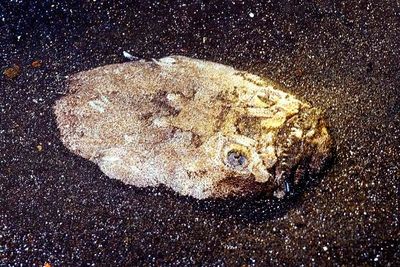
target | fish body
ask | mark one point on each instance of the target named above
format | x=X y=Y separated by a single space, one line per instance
x=201 y=128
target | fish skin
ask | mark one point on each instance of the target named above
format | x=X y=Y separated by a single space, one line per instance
x=204 y=129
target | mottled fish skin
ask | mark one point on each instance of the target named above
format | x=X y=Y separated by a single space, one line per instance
x=201 y=128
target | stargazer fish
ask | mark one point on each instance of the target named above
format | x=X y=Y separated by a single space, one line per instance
x=203 y=129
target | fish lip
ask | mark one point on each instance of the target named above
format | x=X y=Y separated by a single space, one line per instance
x=286 y=180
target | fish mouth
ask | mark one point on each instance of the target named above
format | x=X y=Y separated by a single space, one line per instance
x=287 y=179
x=301 y=158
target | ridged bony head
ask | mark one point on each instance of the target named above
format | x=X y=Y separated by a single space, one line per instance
x=274 y=161
x=266 y=140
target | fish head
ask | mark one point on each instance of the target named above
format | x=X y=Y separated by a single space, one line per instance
x=267 y=141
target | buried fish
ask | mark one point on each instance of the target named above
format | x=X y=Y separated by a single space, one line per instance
x=201 y=128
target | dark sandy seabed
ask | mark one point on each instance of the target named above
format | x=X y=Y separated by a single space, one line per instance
x=343 y=56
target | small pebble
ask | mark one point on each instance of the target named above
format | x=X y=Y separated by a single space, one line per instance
x=12 y=72
x=36 y=64
x=39 y=148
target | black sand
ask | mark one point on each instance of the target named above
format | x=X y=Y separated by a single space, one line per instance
x=58 y=208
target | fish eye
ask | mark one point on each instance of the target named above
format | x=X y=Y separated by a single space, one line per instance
x=236 y=159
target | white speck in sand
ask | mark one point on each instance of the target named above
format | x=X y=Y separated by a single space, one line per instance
x=129 y=56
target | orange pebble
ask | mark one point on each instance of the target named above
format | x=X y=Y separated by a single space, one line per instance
x=36 y=64
x=12 y=72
